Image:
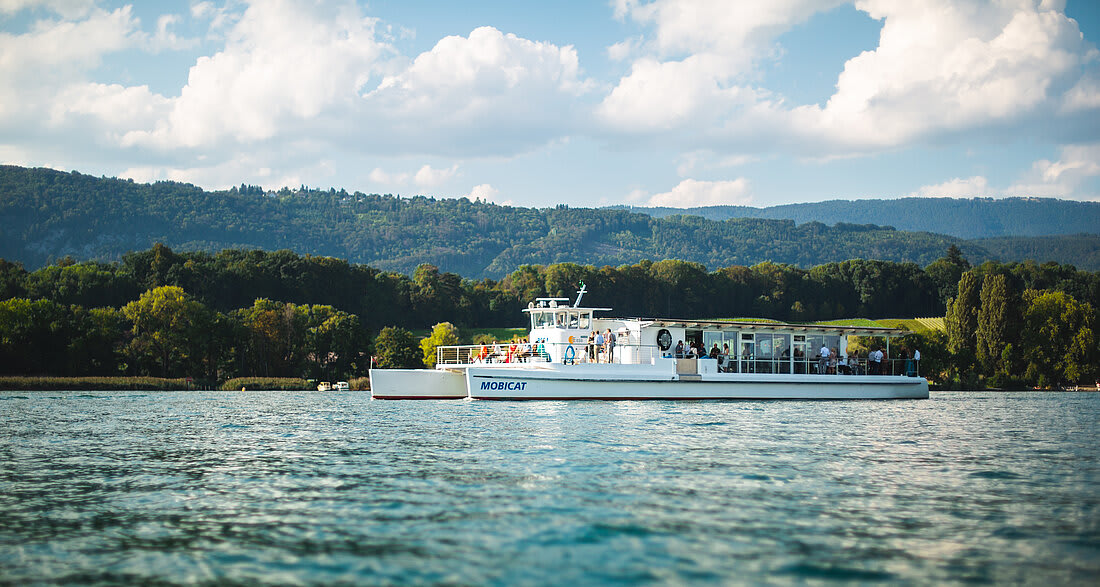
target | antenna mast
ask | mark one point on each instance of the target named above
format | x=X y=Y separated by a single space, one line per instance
x=580 y=294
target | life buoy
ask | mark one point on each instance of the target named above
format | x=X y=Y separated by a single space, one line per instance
x=570 y=355
x=664 y=339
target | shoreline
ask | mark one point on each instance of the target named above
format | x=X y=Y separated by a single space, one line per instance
x=57 y=383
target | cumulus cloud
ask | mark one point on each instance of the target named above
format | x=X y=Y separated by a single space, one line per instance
x=941 y=67
x=521 y=91
x=284 y=63
x=1055 y=179
x=692 y=193
x=1075 y=165
x=958 y=187
x=381 y=176
x=67 y=43
x=40 y=67
x=1084 y=96
x=486 y=193
x=427 y=177
x=116 y=108
x=944 y=66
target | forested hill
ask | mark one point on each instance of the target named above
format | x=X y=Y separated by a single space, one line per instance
x=964 y=218
x=46 y=215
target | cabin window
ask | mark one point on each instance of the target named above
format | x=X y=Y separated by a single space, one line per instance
x=544 y=320
x=585 y=321
x=574 y=320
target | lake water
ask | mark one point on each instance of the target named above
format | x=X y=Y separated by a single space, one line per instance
x=308 y=488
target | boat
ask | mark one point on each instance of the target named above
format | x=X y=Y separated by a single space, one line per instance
x=755 y=360
x=341 y=386
x=324 y=386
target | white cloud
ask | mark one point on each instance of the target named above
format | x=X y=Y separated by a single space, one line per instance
x=1054 y=179
x=624 y=49
x=484 y=94
x=691 y=161
x=379 y=175
x=1083 y=96
x=285 y=63
x=65 y=8
x=427 y=177
x=259 y=168
x=38 y=66
x=1075 y=165
x=691 y=193
x=166 y=39
x=115 y=107
x=486 y=193
x=941 y=68
x=958 y=187
x=669 y=95
x=64 y=43
x=740 y=30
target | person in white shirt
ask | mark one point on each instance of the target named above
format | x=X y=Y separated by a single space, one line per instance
x=876 y=362
x=823 y=360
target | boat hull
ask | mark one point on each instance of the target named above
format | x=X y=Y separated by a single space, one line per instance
x=417 y=384
x=542 y=385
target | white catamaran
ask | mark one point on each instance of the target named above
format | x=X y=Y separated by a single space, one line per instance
x=755 y=360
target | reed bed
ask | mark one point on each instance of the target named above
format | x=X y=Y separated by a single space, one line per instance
x=47 y=383
x=268 y=384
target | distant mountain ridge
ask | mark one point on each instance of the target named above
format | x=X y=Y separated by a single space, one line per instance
x=46 y=215
x=969 y=218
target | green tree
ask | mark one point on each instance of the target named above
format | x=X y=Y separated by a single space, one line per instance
x=946 y=272
x=991 y=334
x=33 y=337
x=397 y=349
x=335 y=343
x=276 y=340
x=962 y=316
x=12 y=280
x=95 y=343
x=443 y=334
x=1059 y=343
x=167 y=328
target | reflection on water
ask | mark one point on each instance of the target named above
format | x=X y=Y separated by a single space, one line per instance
x=290 y=488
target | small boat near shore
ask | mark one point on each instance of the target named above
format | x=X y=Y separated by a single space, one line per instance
x=757 y=360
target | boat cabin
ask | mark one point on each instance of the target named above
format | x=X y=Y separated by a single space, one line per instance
x=561 y=333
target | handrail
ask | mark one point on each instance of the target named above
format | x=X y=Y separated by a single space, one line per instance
x=474 y=354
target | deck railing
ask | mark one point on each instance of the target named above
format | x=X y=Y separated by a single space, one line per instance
x=474 y=354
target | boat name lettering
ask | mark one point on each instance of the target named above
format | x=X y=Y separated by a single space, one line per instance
x=504 y=385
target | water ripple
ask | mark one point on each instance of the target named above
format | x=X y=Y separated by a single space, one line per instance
x=304 y=488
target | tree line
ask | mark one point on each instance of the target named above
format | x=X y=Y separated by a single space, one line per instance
x=255 y=313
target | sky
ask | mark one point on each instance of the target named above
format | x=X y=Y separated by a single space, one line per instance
x=587 y=103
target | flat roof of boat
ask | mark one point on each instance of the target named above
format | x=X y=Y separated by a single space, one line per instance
x=750 y=325
x=559 y=308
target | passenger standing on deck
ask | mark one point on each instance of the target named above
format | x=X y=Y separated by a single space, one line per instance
x=823 y=360
x=592 y=346
x=875 y=358
x=599 y=345
x=916 y=362
x=609 y=339
x=680 y=349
